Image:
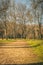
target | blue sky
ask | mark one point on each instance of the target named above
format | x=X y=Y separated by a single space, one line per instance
x=27 y=2
x=22 y=1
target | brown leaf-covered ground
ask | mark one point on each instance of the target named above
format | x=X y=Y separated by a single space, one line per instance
x=17 y=55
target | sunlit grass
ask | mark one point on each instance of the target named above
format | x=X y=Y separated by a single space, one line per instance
x=34 y=42
x=9 y=40
x=37 y=50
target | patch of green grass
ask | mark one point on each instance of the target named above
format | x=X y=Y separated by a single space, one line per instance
x=34 y=42
x=37 y=50
x=5 y=41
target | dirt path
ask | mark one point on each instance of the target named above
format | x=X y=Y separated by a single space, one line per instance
x=17 y=55
x=17 y=43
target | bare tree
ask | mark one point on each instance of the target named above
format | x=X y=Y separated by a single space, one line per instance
x=21 y=15
x=4 y=4
x=13 y=17
x=37 y=11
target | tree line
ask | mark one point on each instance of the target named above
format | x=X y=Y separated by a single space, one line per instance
x=19 y=21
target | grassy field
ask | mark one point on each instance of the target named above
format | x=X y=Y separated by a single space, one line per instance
x=37 y=47
x=32 y=54
x=9 y=40
x=34 y=42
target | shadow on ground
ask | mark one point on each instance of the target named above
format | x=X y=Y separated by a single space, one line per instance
x=41 y=63
x=18 y=46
